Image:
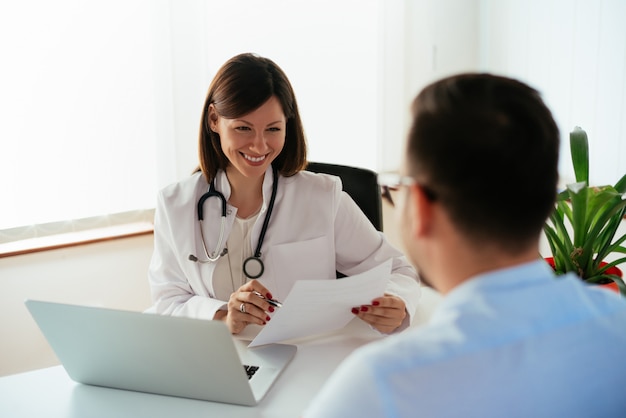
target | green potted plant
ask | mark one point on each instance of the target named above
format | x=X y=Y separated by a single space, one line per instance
x=583 y=229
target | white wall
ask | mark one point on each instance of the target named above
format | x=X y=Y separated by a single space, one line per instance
x=574 y=53
x=329 y=53
x=354 y=75
x=427 y=40
x=110 y=274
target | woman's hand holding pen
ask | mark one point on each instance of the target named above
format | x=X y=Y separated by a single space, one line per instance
x=249 y=304
x=386 y=313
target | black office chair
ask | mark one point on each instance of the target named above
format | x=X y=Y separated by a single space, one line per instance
x=361 y=184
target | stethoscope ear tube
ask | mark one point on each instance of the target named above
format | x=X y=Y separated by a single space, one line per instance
x=215 y=255
x=211 y=193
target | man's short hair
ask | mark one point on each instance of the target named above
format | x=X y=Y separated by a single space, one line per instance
x=487 y=147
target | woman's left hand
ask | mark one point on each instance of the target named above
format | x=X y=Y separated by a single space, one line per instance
x=386 y=313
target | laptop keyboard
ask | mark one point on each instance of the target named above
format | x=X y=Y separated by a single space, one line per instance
x=250 y=370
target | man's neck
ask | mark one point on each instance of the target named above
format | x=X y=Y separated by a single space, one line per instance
x=462 y=266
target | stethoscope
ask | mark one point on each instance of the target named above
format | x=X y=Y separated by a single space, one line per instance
x=253 y=267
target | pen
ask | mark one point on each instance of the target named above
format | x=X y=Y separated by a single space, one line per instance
x=270 y=301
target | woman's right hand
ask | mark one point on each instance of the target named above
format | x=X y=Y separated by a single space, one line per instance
x=246 y=306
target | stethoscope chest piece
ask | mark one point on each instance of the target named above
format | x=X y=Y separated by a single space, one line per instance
x=253 y=267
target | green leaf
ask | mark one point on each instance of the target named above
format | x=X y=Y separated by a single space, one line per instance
x=599 y=237
x=560 y=243
x=579 y=147
x=578 y=196
x=613 y=263
x=606 y=245
x=620 y=186
x=620 y=284
x=562 y=196
x=602 y=201
x=564 y=209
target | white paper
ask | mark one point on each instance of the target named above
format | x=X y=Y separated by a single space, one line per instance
x=318 y=306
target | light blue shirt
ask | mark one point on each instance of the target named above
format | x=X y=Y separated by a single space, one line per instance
x=512 y=343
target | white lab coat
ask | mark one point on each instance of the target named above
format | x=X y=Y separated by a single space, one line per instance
x=315 y=229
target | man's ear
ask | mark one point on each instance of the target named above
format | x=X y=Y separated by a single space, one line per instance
x=213 y=118
x=420 y=210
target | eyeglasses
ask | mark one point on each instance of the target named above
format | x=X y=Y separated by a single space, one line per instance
x=393 y=181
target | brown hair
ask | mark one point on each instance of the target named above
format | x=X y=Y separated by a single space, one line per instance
x=240 y=86
x=488 y=147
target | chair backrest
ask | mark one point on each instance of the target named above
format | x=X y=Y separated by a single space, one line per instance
x=361 y=184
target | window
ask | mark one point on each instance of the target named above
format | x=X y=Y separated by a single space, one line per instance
x=103 y=98
x=80 y=83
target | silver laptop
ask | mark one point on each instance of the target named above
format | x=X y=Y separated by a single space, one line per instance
x=183 y=357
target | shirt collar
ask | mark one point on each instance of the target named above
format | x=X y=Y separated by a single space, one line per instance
x=501 y=281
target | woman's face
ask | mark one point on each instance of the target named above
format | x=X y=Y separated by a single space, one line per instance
x=251 y=142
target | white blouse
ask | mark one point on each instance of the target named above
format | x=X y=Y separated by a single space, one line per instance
x=229 y=270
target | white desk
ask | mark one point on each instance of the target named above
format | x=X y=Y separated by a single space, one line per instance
x=51 y=393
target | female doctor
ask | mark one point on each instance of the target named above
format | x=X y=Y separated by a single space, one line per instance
x=233 y=236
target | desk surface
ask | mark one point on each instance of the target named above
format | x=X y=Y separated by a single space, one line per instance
x=51 y=393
